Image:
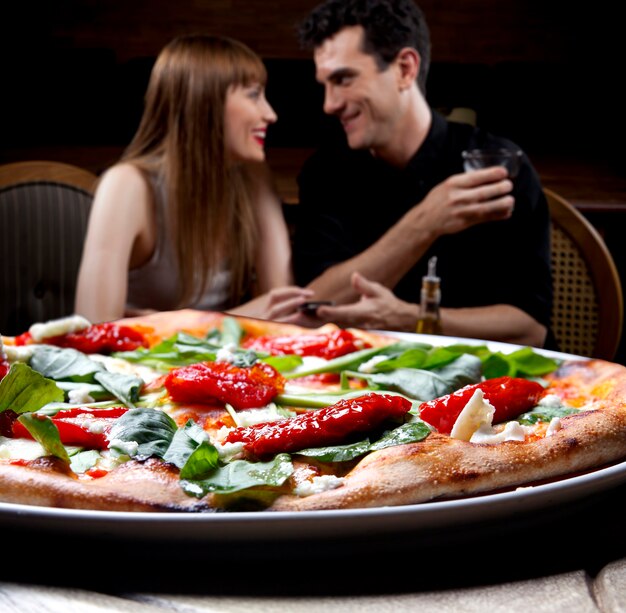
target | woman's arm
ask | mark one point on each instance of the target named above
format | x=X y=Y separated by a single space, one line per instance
x=273 y=256
x=121 y=234
x=275 y=296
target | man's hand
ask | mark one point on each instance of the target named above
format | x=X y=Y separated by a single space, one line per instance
x=465 y=200
x=377 y=308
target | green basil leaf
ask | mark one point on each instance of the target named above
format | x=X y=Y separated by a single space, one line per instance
x=411 y=432
x=337 y=453
x=428 y=384
x=124 y=387
x=184 y=443
x=283 y=363
x=544 y=414
x=529 y=363
x=152 y=430
x=24 y=390
x=201 y=462
x=241 y=474
x=65 y=364
x=45 y=433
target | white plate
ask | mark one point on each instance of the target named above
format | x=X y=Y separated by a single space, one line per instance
x=263 y=526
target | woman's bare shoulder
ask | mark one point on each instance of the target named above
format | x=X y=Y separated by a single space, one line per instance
x=125 y=174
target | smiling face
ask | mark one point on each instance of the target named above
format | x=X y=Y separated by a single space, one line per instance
x=246 y=117
x=366 y=99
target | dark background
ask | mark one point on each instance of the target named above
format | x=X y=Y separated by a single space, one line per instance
x=541 y=73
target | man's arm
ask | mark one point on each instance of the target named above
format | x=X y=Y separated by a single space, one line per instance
x=457 y=203
x=379 y=308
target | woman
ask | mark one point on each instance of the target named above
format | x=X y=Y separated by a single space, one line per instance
x=189 y=216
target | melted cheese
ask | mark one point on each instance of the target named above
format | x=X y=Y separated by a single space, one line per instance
x=56 y=327
x=20 y=449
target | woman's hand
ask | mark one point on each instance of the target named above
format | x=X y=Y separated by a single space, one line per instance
x=279 y=304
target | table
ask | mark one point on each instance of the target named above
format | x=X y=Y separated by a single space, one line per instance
x=563 y=558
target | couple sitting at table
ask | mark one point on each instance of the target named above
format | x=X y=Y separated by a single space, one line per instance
x=189 y=216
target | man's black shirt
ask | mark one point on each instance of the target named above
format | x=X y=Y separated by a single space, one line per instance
x=349 y=199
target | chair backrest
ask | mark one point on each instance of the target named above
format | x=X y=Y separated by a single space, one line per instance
x=44 y=210
x=587 y=315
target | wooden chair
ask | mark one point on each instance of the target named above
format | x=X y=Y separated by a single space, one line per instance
x=587 y=315
x=44 y=209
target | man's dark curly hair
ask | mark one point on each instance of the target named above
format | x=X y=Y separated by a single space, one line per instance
x=390 y=25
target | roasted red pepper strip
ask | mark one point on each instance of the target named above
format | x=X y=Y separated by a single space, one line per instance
x=83 y=427
x=328 y=426
x=98 y=338
x=4 y=368
x=208 y=382
x=510 y=397
x=328 y=346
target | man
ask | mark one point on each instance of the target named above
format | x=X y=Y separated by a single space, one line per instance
x=392 y=193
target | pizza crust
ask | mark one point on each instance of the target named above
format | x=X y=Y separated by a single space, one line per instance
x=152 y=486
x=442 y=467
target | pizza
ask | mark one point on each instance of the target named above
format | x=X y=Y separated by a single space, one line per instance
x=192 y=411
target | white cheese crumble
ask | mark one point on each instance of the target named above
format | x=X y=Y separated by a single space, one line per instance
x=119 y=447
x=117 y=365
x=477 y=412
x=370 y=365
x=512 y=431
x=226 y=353
x=3 y=356
x=309 y=362
x=19 y=353
x=110 y=459
x=269 y=413
x=80 y=395
x=554 y=426
x=550 y=400
x=317 y=485
x=228 y=450
x=56 y=327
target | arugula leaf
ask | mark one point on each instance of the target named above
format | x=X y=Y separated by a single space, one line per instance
x=24 y=390
x=232 y=332
x=350 y=361
x=321 y=400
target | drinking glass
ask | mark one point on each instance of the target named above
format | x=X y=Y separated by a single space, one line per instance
x=474 y=159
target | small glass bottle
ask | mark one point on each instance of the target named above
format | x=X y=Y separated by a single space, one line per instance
x=429 y=321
